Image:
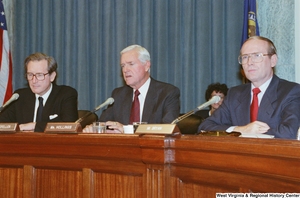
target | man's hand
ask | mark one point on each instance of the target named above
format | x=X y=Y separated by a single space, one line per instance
x=88 y=129
x=253 y=127
x=112 y=127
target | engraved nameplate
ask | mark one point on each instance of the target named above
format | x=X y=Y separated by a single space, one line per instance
x=63 y=127
x=164 y=129
x=9 y=127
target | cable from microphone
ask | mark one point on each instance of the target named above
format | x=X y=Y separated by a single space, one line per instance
x=214 y=99
x=14 y=97
x=109 y=101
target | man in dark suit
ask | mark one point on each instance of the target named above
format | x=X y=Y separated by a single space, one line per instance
x=58 y=103
x=158 y=101
x=278 y=100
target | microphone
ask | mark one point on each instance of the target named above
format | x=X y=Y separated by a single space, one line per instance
x=14 y=97
x=214 y=99
x=109 y=101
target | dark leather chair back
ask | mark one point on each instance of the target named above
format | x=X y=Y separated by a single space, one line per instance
x=87 y=120
x=190 y=124
x=204 y=113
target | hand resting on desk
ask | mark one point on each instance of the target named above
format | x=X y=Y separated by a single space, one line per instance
x=253 y=127
x=111 y=127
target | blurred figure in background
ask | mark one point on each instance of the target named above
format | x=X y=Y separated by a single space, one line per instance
x=215 y=89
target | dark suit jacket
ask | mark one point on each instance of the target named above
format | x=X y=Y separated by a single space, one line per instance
x=279 y=108
x=62 y=101
x=162 y=104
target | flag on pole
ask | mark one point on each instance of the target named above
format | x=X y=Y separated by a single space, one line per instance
x=250 y=27
x=5 y=60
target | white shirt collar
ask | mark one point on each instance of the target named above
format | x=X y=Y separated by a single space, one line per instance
x=143 y=93
x=45 y=96
x=262 y=88
x=144 y=88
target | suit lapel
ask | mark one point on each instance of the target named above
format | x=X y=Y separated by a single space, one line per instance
x=242 y=107
x=49 y=103
x=266 y=110
x=29 y=104
x=150 y=100
x=126 y=106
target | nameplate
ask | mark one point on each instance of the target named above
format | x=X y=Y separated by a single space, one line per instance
x=164 y=129
x=63 y=127
x=9 y=127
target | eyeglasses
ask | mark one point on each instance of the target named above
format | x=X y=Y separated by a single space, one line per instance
x=255 y=57
x=38 y=76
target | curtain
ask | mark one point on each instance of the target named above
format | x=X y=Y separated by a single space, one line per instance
x=192 y=43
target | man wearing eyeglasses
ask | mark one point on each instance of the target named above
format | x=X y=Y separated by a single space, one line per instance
x=267 y=105
x=43 y=101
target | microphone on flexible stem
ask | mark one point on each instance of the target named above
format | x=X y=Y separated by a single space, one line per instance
x=109 y=101
x=14 y=97
x=214 y=99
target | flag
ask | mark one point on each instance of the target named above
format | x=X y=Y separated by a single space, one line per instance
x=250 y=27
x=5 y=60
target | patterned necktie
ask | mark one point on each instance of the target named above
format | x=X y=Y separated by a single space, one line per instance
x=40 y=110
x=254 y=105
x=135 y=108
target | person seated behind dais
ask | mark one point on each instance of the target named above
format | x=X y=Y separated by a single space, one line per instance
x=59 y=102
x=268 y=104
x=159 y=101
x=215 y=89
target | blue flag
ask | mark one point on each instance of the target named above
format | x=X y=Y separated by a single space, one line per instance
x=250 y=27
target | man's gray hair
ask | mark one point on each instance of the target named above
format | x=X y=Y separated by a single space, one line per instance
x=144 y=55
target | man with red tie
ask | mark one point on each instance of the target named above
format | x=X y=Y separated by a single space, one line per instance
x=142 y=98
x=267 y=104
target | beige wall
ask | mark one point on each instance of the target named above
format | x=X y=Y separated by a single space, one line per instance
x=276 y=20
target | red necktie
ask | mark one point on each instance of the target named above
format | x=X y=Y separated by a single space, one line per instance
x=254 y=105
x=135 y=108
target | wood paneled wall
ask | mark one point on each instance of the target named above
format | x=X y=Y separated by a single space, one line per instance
x=37 y=165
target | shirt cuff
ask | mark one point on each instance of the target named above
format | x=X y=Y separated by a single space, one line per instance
x=230 y=129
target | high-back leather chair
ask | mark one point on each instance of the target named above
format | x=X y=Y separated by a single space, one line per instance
x=190 y=124
x=87 y=120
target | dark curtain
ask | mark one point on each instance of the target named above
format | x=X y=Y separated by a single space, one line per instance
x=192 y=42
